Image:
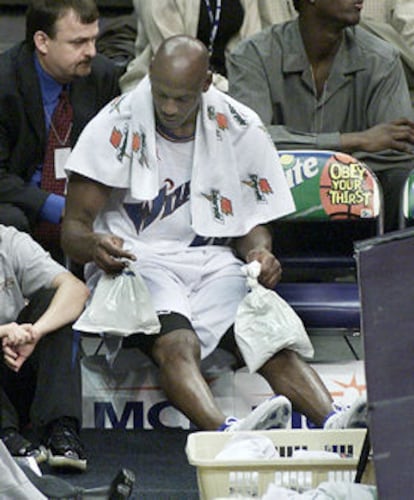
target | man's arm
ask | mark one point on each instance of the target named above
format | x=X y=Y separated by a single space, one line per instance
x=397 y=135
x=67 y=304
x=85 y=199
x=257 y=245
x=13 y=189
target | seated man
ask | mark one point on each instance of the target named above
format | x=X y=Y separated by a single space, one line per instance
x=233 y=21
x=178 y=169
x=39 y=376
x=51 y=85
x=321 y=82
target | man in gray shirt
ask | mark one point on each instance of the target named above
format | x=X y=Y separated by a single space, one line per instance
x=321 y=82
x=39 y=300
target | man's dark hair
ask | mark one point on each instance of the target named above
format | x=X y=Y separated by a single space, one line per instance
x=42 y=15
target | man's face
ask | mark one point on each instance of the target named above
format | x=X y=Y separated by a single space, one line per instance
x=69 y=54
x=176 y=103
x=341 y=12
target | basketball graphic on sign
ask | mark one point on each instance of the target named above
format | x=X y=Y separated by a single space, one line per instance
x=347 y=188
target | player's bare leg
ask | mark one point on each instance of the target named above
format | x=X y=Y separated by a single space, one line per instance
x=177 y=354
x=289 y=375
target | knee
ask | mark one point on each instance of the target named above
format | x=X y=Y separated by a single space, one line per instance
x=281 y=360
x=181 y=345
x=288 y=357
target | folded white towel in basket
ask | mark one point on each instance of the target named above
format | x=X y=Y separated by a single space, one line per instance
x=247 y=446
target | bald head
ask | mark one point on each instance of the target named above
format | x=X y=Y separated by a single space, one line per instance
x=181 y=59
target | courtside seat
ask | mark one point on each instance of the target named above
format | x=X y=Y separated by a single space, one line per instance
x=338 y=201
x=333 y=305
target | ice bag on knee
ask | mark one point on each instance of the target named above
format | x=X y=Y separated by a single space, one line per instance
x=265 y=324
x=120 y=305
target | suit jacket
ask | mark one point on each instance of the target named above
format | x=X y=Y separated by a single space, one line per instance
x=22 y=123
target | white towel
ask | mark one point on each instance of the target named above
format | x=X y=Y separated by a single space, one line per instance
x=237 y=180
x=248 y=446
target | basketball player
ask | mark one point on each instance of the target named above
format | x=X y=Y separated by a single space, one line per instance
x=162 y=178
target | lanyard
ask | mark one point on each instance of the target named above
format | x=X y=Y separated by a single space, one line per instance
x=214 y=21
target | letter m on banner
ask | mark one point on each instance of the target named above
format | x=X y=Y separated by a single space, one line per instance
x=106 y=409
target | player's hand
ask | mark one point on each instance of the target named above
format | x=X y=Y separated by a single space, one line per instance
x=271 y=270
x=108 y=253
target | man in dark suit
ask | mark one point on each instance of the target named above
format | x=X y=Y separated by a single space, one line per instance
x=58 y=53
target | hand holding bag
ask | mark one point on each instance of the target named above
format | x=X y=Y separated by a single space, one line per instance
x=265 y=324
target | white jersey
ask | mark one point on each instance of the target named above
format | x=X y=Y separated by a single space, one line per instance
x=162 y=225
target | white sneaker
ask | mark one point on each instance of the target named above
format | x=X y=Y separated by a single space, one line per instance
x=274 y=413
x=349 y=417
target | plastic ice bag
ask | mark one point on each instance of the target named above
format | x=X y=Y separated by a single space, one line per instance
x=120 y=305
x=265 y=324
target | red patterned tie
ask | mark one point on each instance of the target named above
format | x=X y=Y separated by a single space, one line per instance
x=46 y=233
